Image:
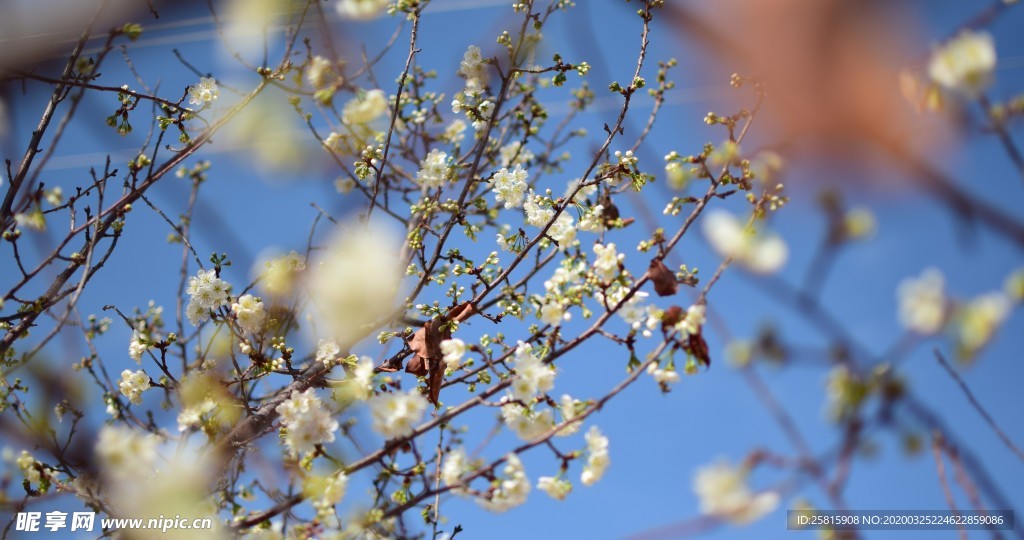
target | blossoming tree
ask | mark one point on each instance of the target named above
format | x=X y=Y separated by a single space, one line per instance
x=479 y=251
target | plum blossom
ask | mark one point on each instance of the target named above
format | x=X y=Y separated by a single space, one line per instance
x=433 y=169
x=556 y=488
x=204 y=92
x=133 y=384
x=308 y=422
x=760 y=253
x=361 y=9
x=922 y=302
x=395 y=414
x=513 y=488
x=597 y=457
x=365 y=107
x=510 y=187
x=724 y=493
x=249 y=313
x=533 y=376
x=965 y=63
x=537 y=214
x=453 y=349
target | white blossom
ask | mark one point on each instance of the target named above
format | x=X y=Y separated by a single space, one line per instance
x=204 y=92
x=455 y=132
x=965 y=63
x=537 y=213
x=249 y=313
x=662 y=376
x=724 y=494
x=455 y=465
x=551 y=313
x=308 y=422
x=691 y=323
x=136 y=348
x=433 y=169
x=327 y=351
x=510 y=187
x=761 y=253
x=533 y=376
x=361 y=9
x=527 y=424
x=979 y=319
x=597 y=457
x=562 y=231
x=513 y=488
x=354 y=282
x=606 y=265
x=570 y=409
x=318 y=72
x=591 y=220
x=395 y=414
x=556 y=488
x=514 y=153
x=207 y=292
x=453 y=349
x=133 y=384
x=365 y=107
x=922 y=302
x=472 y=65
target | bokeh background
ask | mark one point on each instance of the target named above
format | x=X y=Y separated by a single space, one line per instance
x=261 y=185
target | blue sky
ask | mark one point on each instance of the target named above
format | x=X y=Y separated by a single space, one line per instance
x=657 y=441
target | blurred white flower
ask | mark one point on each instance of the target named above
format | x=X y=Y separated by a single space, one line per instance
x=606 y=266
x=433 y=170
x=361 y=9
x=278 y=274
x=724 y=494
x=453 y=349
x=354 y=282
x=662 y=376
x=513 y=488
x=327 y=351
x=965 y=63
x=597 y=457
x=365 y=107
x=455 y=465
x=318 y=72
x=978 y=320
x=533 y=376
x=922 y=302
x=761 y=253
x=395 y=414
x=528 y=425
x=556 y=488
x=308 y=422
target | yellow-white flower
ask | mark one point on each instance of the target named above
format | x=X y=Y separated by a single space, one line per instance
x=922 y=302
x=556 y=488
x=597 y=457
x=979 y=319
x=760 y=253
x=453 y=349
x=364 y=108
x=724 y=493
x=249 y=313
x=513 y=488
x=395 y=414
x=361 y=9
x=133 y=384
x=965 y=63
